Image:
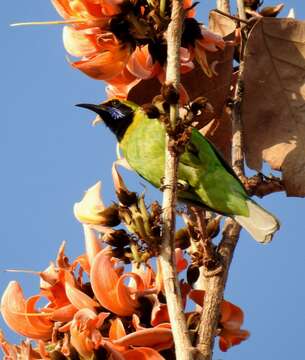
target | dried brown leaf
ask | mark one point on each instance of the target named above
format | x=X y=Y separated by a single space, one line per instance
x=221 y=24
x=219 y=132
x=273 y=108
x=271 y=11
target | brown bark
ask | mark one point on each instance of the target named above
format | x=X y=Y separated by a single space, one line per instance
x=182 y=341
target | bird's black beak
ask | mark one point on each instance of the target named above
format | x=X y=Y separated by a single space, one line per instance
x=92 y=107
x=101 y=110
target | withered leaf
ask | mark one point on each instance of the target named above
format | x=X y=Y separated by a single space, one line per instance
x=219 y=131
x=221 y=24
x=273 y=109
x=271 y=11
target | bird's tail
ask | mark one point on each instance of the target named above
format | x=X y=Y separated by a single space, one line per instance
x=260 y=223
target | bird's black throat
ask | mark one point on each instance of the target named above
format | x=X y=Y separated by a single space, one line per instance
x=115 y=114
x=119 y=125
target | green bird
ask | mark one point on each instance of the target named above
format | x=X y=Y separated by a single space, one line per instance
x=206 y=179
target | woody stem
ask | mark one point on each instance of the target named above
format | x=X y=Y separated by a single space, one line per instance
x=182 y=341
x=215 y=285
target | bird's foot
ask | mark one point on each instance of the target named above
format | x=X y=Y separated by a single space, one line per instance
x=181 y=185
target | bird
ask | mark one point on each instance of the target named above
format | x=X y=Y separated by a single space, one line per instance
x=205 y=179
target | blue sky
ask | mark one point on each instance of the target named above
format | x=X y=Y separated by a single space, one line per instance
x=50 y=155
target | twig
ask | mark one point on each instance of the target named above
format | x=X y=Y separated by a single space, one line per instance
x=223 y=5
x=261 y=185
x=236 y=18
x=241 y=9
x=215 y=285
x=182 y=341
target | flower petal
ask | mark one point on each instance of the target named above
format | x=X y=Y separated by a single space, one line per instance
x=116 y=329
x=92 y=243
x=88 y=210
x=232 y=317
x=78 y=43
x=104 y=65
x=230 y=338
x=13 y=309
x=158 y=338
x=107 y=287
x=79 y=299
x=142 y=353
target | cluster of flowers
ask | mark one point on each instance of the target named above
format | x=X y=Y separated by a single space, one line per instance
x=124 y=41
x=107 y=316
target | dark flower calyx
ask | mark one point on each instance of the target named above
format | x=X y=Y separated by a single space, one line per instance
x=110 y=216
x=191 y=32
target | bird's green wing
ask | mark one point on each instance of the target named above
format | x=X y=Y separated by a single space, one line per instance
x=204 y=178
x=210 y=178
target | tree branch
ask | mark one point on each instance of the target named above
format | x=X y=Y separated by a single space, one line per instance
x=223 y=5
x=182 y=341
x=215 y=285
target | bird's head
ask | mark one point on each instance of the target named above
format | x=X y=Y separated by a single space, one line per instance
x=116 y=114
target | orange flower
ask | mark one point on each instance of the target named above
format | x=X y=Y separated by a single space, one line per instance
x=110 y=53
x=15 y=352
x=85 y=336
x=231 y=320
x=93 y=10
x=109 y=288
x=159 y=337
x=21 y=316
x=211 y=42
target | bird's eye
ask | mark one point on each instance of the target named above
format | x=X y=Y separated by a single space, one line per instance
x=115 y=102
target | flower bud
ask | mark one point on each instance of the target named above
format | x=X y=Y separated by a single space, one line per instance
x=182 y=239
x=192 y=274
x=213 y=227
x=170 y=94
x=110 y=216
x=126 y=197
x=90 y=209
x=118 y=238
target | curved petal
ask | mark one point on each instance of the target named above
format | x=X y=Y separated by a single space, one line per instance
x=92 y=243
x=64 y=313
x=63 y=8
x=104 y=281
x=186 y=5
x=197 y=296
x=159 y=314
x=181 y=262
x=13 y=309
x=124 y=293
x=142 y=353
x=230 y=338
x=88 y=210
x=104 y=65
x=232 y=317
x=42 y=323
x=141 y=65
x=116 y=329
x=85 y=336
x=78 y=43
x=79 y=299
x=158 y=338
x=120 y=85
x=210 y=40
